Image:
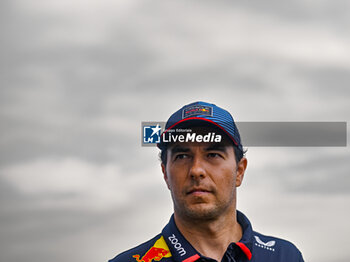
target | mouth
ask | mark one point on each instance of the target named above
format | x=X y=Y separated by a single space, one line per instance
x=198 y=191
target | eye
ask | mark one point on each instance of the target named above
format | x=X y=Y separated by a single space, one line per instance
x=214 y=155
x=181 y=156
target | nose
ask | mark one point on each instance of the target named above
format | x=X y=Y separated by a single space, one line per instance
x=197 y=170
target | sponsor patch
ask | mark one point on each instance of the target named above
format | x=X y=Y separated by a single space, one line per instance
x=177 y=245
x=159 y=250
x=268 y=246
x=195 y=110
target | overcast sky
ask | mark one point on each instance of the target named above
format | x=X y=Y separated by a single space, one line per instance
x=78 y=77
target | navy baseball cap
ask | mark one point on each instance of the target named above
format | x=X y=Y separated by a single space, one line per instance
x=206 y=114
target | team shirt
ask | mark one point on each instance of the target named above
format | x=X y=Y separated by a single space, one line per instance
x=170 y=245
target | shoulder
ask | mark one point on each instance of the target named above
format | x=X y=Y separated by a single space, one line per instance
x=277 y=249
x=137 y=251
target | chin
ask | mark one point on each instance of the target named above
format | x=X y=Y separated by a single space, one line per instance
x=201 y=212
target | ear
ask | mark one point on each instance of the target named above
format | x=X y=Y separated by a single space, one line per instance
x=165 y=176
x=241 y=167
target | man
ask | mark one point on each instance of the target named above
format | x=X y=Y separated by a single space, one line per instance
x=203 y=163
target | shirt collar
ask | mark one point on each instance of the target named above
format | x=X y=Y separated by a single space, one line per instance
x=182 y=250
x=246 y=242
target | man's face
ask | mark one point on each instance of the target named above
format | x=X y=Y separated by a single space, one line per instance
x=203 y=177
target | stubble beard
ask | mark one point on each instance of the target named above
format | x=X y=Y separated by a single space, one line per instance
x=203 y=212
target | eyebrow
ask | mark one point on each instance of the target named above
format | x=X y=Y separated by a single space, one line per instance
x=212 y=147
x=217 y=147
x=177 y=149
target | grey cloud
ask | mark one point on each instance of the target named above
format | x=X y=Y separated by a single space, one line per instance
x=317 y=173
x=330 y=14
x=69 y=89
x=71 y=140
x=330 y=81
x=27 y=225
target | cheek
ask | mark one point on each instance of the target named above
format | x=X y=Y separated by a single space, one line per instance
x=227 y=178
x=175 y=178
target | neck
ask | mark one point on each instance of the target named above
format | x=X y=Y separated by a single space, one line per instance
x=210 y=237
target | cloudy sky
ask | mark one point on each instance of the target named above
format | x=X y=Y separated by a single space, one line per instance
x=78 y=77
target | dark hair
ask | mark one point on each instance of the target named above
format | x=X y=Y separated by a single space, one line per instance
x=238 y=154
